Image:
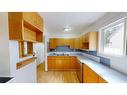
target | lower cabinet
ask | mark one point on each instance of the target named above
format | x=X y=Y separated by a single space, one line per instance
x=89 y=76
x=62 y=63
x=84 y=73
x=101 y=80
x=80 y=72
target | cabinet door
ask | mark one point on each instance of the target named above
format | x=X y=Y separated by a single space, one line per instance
x=29 y=17
x=80 y=43
x=34 y=19
x=29 y=35
x=66 y=64
x=85 y=73
x=71 y=43
x=51 y=64
x=89 y=76
x=86 y=38
x=15 y=26
x=93 y=40
x=67 y=42
x=75 y=43
x=59 y=63
x=39 y=21
x=101 y=80
x=83 y=38
x=73 y=62
x=58 y=42
x=79 y=72
x=77 y=64
x=52 y=43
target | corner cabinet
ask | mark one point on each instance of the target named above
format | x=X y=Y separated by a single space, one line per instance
x=25 y=26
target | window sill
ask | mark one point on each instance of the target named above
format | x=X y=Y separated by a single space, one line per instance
x=111 y=55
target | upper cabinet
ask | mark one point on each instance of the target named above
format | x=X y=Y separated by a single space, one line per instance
x=25 y=26
x=90 y=41
x=54 y=42
x=76 y=43
x=34 y=19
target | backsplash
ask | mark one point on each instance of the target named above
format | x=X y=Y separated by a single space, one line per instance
x=89 y=52
x=105 y=61
x=93 y=56
x=63 y=49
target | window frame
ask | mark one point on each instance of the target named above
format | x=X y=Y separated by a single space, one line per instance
x=101 y=37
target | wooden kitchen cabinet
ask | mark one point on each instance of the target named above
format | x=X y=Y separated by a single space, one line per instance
x=90 y=41
x=25 y=26
x=85 y=38
x=62 y=63
x=54 y=42
x=59 y=64
x=80 y=71
x=89 y=76
x=101 y=80
x=33 y=18
x=71 y=43
x=76 y=43
x=60 y=42
x=80 y=43
x=51 y=64
x=93 y=40
x=67 y=64
x=74 y=62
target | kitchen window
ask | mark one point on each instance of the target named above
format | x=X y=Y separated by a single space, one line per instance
x=113 y=38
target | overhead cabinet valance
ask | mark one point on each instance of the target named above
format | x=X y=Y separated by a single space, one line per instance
x=25 y=26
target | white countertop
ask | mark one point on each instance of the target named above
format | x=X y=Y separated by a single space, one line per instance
x=107 y=73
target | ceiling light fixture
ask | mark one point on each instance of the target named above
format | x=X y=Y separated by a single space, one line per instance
x=67 y=29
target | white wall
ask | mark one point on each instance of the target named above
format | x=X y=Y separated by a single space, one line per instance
x=105 y=20
x=14 y=57
x=64 y=35
x=4 y=45
x=119 y=63
x=39 y=47
x=46 y=40
x=27 y=74
x=9 y=55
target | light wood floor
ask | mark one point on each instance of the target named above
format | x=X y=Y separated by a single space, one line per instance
x=56 y=76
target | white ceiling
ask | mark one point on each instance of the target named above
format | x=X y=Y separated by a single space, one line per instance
x=78 y=21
